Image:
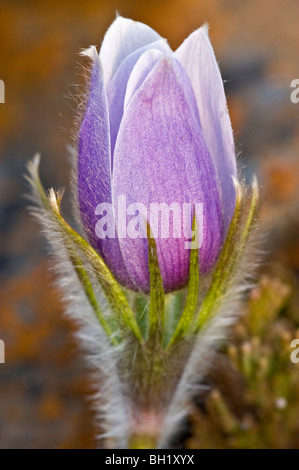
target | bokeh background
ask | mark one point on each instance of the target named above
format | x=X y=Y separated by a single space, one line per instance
x=254 y=395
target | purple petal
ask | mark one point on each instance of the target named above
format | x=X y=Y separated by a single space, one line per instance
x=94 y=178
x=122 y=38
x=116 y=89
x=161 y=156
x=197 y=56
x=143 y=67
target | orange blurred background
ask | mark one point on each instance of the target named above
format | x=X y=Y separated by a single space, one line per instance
x=44 y=383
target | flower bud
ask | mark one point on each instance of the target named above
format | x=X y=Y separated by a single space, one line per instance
x=155 y=145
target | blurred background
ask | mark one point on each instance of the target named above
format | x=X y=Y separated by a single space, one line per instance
x=254 y=395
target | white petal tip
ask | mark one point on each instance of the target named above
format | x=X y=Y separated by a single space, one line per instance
x=36 y=159
x=205 y=29
x=90 y=52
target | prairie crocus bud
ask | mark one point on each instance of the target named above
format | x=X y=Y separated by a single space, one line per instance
x=156 y=135
x=160 y=204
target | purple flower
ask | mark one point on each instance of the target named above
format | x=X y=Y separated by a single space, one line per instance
x=156 y=130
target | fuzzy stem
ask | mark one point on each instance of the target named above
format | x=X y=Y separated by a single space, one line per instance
x=146 y=429
x=143 y=442
x=153 y=382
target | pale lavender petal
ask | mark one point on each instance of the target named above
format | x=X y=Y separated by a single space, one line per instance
x=122 y=38
x=116 y=89
x=94 y=178
x=197 y=56
x=145 y=65
x=140 y=72
x=161 y=156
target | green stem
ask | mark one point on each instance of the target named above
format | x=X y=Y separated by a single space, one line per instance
x=142 y=442
x=156 y=307
x=88 y=289
x=192 y=295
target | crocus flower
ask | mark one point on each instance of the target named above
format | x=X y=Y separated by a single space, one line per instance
x=156 y=129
